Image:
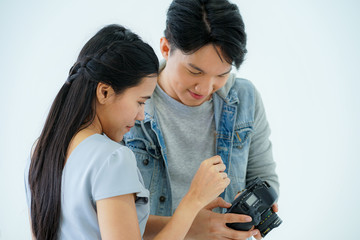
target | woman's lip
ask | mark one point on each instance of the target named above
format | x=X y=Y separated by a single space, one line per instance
x=196 y=96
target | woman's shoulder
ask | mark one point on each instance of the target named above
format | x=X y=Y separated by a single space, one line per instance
x=115 y=148
x=102 y=143
x=99 y=149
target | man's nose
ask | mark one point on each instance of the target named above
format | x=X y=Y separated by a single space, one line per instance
x=204 y=87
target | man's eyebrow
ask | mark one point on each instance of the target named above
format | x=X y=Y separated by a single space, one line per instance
x=199 y=69
x=195 y=67
x=226 y=72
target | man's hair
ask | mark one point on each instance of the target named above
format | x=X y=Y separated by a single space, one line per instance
x=192 y=24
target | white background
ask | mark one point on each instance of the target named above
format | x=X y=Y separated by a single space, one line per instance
x=303 y=58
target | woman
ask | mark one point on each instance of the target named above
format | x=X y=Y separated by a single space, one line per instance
x=81 y=183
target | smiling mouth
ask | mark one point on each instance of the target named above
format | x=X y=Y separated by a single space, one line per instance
x=196 y=96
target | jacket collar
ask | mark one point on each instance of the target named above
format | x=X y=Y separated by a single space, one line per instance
x=225 y=92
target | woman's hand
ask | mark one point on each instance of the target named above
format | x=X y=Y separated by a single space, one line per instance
x=209 y=181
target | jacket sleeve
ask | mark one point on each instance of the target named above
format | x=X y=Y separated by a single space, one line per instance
x=260 y=162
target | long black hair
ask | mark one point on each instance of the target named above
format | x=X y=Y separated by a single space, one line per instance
x=114 y=56
x=192 y=24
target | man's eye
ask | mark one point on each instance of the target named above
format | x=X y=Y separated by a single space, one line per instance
x=141 y=103
x=194 y=73
x=222 y=76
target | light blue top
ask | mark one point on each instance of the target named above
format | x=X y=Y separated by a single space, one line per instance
x=98 y=168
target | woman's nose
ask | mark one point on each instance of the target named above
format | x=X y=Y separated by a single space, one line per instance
x=141 y=115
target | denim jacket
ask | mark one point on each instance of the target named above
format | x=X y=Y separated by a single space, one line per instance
x=241 y=140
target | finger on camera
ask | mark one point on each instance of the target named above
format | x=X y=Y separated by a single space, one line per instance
x=257 y=235
x=234 y=217
x=275 y=207
x=236 y=234
x=218 y=202
x=237 y=195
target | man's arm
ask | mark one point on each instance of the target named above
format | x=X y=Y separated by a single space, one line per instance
x=260 y=161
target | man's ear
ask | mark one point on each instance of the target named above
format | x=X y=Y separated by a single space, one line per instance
x=165 y=48
x=103 y=92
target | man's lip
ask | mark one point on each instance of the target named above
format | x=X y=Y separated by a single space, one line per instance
x=129 y=126
x=196 y=96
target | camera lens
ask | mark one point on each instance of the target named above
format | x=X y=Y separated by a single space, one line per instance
x=269 y=220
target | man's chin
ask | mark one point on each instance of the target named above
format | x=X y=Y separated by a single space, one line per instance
x=193 y=103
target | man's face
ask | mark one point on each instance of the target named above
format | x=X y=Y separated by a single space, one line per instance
x=192 y=78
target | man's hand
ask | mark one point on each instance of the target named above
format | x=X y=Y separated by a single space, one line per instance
x=209 y=225
x=274 y=207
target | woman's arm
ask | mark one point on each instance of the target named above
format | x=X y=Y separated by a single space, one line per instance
x=154 y=225
x=181 y=221
x=118 y=218
x=209 y=181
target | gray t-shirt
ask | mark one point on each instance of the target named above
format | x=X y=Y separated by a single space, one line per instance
x=189 y=138
x=98 y=168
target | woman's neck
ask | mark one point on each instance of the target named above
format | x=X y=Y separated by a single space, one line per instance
x=93 y=128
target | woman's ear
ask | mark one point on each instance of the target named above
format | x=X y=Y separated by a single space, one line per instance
x=103 y=92
x=165 y=48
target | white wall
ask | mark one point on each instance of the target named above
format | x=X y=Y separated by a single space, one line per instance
x=302 y=58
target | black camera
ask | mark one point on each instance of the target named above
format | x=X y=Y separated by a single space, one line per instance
x=256 y=201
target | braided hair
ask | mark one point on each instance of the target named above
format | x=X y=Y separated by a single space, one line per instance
x=114 y=56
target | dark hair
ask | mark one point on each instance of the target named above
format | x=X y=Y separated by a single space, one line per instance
x=114 y=56
x=192 y=24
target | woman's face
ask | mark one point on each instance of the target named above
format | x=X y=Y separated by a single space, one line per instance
x=118 y=113
x=192 y=78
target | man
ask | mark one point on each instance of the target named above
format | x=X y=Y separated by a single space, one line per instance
x=199 y=109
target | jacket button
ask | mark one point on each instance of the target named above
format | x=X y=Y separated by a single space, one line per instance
x=162 y=199
x=146 y=162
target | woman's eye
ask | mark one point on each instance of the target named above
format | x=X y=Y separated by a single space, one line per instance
x=141 y=103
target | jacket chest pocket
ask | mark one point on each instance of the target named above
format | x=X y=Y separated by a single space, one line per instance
x=242 y=137
x=239 y=154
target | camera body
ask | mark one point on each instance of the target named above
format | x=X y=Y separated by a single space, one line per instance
x=256 y=201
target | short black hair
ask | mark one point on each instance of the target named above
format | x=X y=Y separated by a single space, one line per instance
x=192 y=24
